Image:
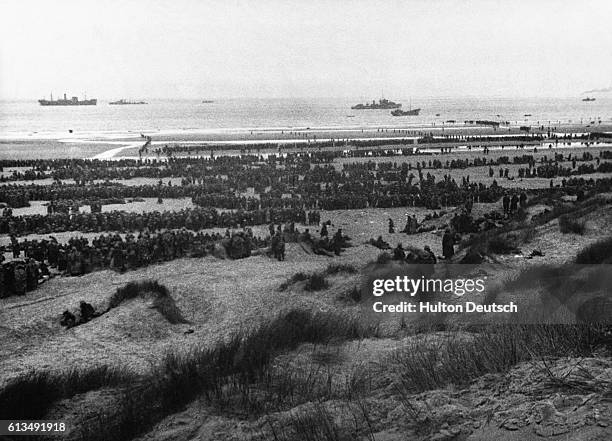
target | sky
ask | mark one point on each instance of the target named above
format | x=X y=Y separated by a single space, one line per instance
x=319 y=48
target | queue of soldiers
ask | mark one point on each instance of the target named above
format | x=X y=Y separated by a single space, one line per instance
x=194 y=219
x=80 y=255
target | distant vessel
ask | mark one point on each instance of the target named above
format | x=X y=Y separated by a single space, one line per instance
x=207 y=101
x=74 y=101
x=588 y=99
x=123 y=102
x=400 y=112
x=409 y=112
x=382 y=104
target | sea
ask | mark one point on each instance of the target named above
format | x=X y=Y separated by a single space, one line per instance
x=236 y=118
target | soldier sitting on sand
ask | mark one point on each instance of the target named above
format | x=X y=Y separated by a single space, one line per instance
x=429 y=257
x=68 y=319
x=398 y=252
x=87 y=312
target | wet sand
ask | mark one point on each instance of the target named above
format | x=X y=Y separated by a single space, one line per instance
x=77 y=147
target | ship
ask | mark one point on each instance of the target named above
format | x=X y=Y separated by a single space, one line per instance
x=588 y=99
x=74 y=101
x=409 y=112
x=400 y=112
x=207 y=101
x=382 y=104
x=123 y=102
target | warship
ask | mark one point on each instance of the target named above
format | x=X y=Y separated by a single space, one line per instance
x=588 y=99
x=123 y=102
x=74 y=101
x=382 y=104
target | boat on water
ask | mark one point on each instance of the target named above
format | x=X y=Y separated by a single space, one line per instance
x=588 y=99
x=409 y=112
x=207 y=101
x=400 y=112
x=123 y=102
x=382 y=104
x=73 y=101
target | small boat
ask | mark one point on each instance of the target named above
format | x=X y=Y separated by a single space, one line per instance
x=588 y=99
x=207 y=101
x=527 y=114
x=411 y=112
x=123 y=102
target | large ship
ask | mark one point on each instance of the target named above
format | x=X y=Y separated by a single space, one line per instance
x=382 y=104
x=123 y=102
x=587 y=99
x=74 y=101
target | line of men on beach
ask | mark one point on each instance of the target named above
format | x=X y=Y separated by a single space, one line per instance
x=48 y=257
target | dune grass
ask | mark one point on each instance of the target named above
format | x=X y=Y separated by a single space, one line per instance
x=568 y=225
x=31 y=395
x=598 y=252
x=153 y=290
x=223 y=375
x=317 y=281
x=458 y=358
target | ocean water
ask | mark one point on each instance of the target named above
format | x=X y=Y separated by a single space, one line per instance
x=29 y=120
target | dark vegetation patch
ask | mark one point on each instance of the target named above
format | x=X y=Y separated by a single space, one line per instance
x=568 y=224
x=31 y=395
x=598 y=252
x=224 y=375
x=384 y=258
x=458 y=359
x=505 y=240
x=317 y=281
x=353 y=294
x=149 y=290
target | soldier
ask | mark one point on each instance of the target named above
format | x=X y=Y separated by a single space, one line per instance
x=514 y=203
x=506 y=203
x=391 y=226
x=117 y=261
x=448 y=244
x=87 y=312
x=20 y=281
x=324 y=232
x=4 y=292
x=429 y=257
x=414 y=224
x=398 y=252
x=68 y=319
x=15 y=246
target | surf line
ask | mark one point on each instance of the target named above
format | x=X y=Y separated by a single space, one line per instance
x=107 y=154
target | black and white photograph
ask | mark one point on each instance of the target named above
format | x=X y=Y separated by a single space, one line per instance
x=325 y=220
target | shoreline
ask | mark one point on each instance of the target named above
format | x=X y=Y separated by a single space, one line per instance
x=104 y=146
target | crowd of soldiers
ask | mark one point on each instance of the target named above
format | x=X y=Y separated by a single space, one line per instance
x=45 y=258
x=194 y=219
x=80 y=255
x=20 y=276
